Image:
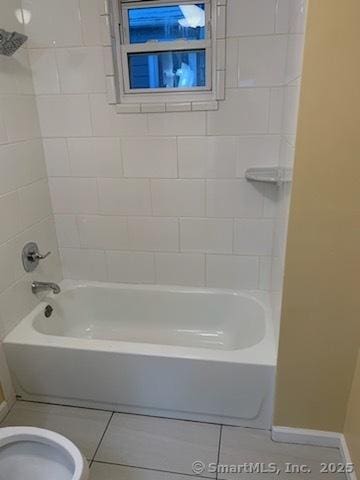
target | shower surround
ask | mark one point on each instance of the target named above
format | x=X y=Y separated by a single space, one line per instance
x=161 y=197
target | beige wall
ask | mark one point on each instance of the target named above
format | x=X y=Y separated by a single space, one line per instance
x=352 y=423
x=320 y=328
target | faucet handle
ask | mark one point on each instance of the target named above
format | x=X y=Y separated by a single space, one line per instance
x=33 y=256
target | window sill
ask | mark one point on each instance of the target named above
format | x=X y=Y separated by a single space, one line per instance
x=166 y=107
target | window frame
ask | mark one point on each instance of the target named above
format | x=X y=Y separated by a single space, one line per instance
x=131 y=98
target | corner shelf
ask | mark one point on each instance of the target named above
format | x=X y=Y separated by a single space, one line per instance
x=273 y=175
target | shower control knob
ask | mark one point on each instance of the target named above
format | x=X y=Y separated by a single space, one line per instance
x=31 y=256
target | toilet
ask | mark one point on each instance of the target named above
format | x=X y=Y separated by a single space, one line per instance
x=37 y=454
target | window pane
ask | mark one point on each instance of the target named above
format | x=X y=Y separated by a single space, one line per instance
x=176 y=69
x=167 y=23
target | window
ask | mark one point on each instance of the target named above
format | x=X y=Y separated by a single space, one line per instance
x=166 y=50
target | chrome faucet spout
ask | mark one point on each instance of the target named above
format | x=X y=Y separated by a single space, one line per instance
x=37 y=287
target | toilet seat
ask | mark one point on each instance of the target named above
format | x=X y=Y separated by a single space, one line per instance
x=38 y=454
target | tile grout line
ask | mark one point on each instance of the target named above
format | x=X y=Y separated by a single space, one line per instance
x=154 y=470
x=143 y=414
x=219 y=451
x=101 y=439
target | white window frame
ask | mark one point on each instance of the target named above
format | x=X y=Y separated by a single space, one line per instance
x=127 y=47
x=164 y=99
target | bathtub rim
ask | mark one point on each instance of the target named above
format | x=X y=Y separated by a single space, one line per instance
x=262 y=353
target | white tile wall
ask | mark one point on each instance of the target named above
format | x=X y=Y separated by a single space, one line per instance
x=262 y=60
x=129 y=267
x=154 y=234
x=102 y=232
x=125 y=196
x=178 y=198
x=180 y=269
x=84 y=263
x=229 y=271
x=156 y=197
x=150 y=157
x=290 y=20
x=251 y=17
x=64 y=115
x=206 y=235
x=245 y=111
x=25 y=209
x=74 y=195
x=81 y=70
x=95 y=157
x=208 y=157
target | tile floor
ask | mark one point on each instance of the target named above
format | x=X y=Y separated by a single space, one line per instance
x=133 y=447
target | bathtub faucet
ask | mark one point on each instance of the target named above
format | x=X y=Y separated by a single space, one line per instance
x=37 y=287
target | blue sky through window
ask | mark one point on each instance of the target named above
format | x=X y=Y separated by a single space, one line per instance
x=167 y=23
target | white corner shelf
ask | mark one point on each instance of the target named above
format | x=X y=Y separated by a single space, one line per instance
x=273 y=175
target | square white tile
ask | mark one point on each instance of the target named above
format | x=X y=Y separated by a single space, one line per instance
x=124 y=197
x=253 y=236
x=245 y=111
x=250 y=17
x=81 y=69
x=84 y=427
x=154 y=234
x=7 y=264
x=95 y=157
x=64 y=115
x=158 y=443
x=257 y=151
x=90 y=11
x=179 y=123
x=44 y=71
x=291 y=16
x=210 y=235
x=125 y=267
x=53 y=23
x=67 y=231
x=208 y=157
x=21 y=117
x=103 y=232
x=34 y=202
x=149 y=157
x=10 y=214
x=230 y=271
x=81 y=264
x=178 y=198
x=233 y=198
x=74 y=195
x=107 y=123
x=56 y=157
x=262 y=61
x=180 y=269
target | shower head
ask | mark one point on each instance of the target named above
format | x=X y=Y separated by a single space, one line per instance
x=10 y=42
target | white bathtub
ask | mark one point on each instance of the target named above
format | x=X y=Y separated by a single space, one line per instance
x=177 y=352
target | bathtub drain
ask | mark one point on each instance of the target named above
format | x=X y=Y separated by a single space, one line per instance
x=48 y=311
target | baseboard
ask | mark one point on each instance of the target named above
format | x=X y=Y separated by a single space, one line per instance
x=303 y=436
x=317 y=438
x=4 y=409
x=346 y=457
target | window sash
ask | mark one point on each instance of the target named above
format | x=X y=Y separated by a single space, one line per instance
x=126 y=6
x=126 y=72
x=155 y=46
